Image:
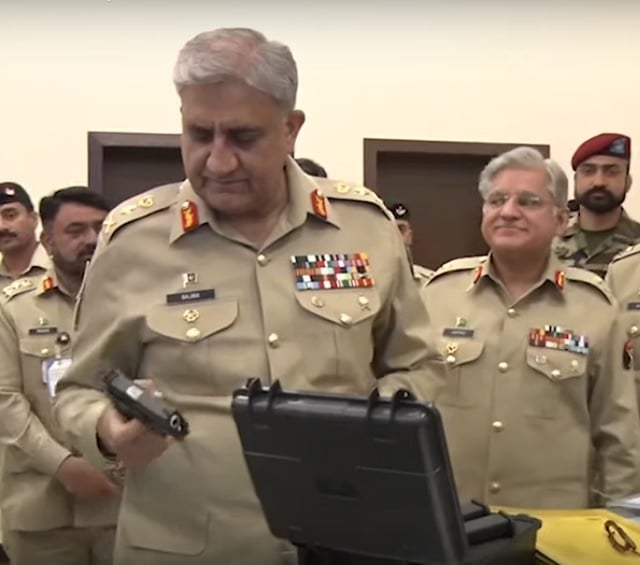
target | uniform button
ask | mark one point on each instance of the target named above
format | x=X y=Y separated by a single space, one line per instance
x=192 y=334
x=274 y=340
x=494 y=487
x=497 y=426
x=345 y=319
x=503 y=366
x=555 y=374
x=44 y=351
x=262 y=260
x=317 y=301
x=634 y=330
x=451 y=359
x=541 y=359
x=574 y=366
x=511 y=312
x=364 y=302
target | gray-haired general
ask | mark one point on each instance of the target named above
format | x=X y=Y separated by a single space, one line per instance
x=537 y=409
x=250 y=268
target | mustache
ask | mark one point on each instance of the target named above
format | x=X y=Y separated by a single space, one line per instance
x=89 y=250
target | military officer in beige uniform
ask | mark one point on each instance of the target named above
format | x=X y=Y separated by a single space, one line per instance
x=532 y=401
x=20 y=253
x=250 y=268
x=57 y=508
x=623 y=277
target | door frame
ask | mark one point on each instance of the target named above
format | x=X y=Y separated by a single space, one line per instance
x=373 y=147
x=98 y=141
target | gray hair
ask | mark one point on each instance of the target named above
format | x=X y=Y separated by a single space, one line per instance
x=527 y=158
x=214 y=56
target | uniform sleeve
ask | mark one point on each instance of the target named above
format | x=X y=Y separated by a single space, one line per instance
x=615 y=426
x=405 y=357
x=105 y=338
x=19 y=425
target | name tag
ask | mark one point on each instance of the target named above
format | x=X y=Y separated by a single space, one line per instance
x=192 y=296
x=53 y=370
x=43 y=331
x=458 y=332
x=633 y=305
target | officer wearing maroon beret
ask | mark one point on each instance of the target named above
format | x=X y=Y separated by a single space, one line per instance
x=600 y=228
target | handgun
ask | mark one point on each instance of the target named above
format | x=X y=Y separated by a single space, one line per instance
x=134 y=402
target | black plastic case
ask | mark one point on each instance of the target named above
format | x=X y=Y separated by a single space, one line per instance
x=355 y=481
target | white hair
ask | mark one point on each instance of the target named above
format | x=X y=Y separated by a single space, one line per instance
x=214 y=56
x=527 y=158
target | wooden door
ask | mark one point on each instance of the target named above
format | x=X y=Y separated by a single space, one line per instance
x=438 y=182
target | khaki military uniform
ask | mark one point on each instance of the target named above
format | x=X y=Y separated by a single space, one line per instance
x=172 y=295
x=40 y=262
x=421 y=275
x=530 y=401
x=623 y=278
x=42 y=522
x=573 y=251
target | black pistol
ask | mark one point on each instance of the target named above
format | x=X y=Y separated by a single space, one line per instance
x=133 y=402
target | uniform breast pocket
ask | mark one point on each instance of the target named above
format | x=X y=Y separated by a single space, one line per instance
x=184 y=342
x=556 y=384
x=461 y=372
x=338 y=331
x=34 y=352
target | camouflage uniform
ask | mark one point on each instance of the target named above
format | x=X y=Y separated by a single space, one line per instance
x=571 y=248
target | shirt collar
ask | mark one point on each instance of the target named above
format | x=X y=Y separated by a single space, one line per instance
x=306 y=199
x=40 y=261
x=554 y=274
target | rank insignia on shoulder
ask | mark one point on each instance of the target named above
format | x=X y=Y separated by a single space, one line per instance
x=332 y=271
x=560 y=279
x=16 y=287
x=554 y=337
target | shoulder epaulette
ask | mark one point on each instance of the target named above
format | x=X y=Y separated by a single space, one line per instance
x=17 y=287
x=138 y=207
x=461 y=264
x=335 y=190
x=593 y=280
x=628 y=252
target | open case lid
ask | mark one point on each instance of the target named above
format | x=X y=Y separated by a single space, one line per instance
x=367 y=476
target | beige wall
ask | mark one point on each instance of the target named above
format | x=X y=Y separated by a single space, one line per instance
x=541 y=72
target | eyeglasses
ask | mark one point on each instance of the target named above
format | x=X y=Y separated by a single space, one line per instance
x=619 y=539
x=524 y=200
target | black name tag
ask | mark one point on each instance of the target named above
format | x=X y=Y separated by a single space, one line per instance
x=633 y=305
x=192 y=296
x=43 y=331
x=457 y=332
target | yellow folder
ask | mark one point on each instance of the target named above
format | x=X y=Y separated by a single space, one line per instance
x=578 y=537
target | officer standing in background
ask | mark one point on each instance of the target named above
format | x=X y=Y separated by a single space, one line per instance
x=600 y=229
x=403 y=220
x=623 y=277
x=20 y=253
x=250 y=268
x=57 y=508
x=533 y=400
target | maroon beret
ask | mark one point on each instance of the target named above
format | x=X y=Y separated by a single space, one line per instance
x=612 y=144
